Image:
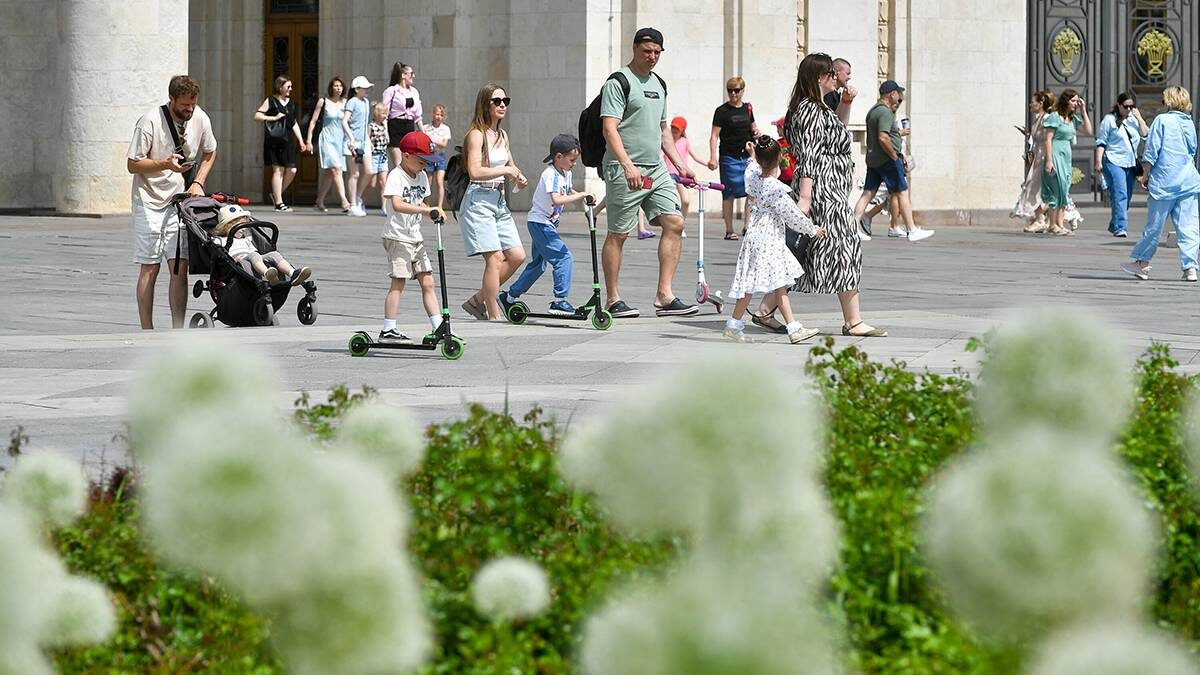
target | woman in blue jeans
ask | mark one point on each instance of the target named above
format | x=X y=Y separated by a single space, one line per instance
x=1174 y=186
x=1121 y=132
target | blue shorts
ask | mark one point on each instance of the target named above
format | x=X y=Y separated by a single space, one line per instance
x=890 y=174
x=487 y=224
x=733 y=176
x=379 y=163
x=438 y=163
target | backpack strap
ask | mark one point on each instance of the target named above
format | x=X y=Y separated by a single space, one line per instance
x=624 y=81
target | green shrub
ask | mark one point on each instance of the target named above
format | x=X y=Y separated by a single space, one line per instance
x=490 y=487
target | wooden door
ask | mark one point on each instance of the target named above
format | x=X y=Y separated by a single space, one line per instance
x=291 y=50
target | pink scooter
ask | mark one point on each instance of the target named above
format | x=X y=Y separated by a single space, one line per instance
x=703 y=293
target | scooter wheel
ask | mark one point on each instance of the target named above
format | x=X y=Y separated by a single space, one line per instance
x=701 y=294
x=360 y=344
x=200 y=320
x=452 y=348
x=198 y=289
x=517 y=313
x=306 y=311
x=602 y=320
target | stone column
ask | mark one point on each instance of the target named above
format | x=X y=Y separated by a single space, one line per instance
x=115 y=61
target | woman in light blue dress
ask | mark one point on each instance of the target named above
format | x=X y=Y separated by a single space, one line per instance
x=336 y=139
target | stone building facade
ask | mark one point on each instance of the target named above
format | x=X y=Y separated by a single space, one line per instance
x=93 y=67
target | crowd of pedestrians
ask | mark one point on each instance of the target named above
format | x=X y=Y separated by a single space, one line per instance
x=803 y=233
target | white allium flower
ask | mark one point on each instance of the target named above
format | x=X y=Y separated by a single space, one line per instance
x=215 y=378
x=717 y=450
x=1061 y=367
x=366 y=620
x=1112 y=649
x=1036 y=532
x=81 y=614
x=386 y=434
x=712 y=617
x=23 y=659
x=49 y=486
x=22 y=577
x=510 y=588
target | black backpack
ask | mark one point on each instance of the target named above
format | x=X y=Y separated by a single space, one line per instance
x=591 y=131
x=455 y=181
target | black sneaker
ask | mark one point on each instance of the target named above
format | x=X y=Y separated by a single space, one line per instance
x=393 y=335
x=282 y=207
x=620 y=310
x=505 y=302
x=676 y=308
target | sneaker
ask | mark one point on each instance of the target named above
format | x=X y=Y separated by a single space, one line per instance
x=1189 y=274
x=393 y=335
x=505 y=301
x=917 y=234
x=676 y=307
x=735 y=335
x=864 y=223
x=863 y=236
x=357 y=211
x=1121 y=235
x=281 y=207
x=300 y=276
x=562 y=308
x=272 y=276
x=897 y=233
x=1136 y=270
x=646 y=234
x=620 y=310
x=802 y=335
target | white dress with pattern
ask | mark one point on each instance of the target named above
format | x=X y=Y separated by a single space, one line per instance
x=765 y=264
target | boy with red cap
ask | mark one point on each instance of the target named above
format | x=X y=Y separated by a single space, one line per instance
x=404 y=202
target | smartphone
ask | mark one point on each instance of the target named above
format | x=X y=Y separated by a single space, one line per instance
x=647 y=182
x=187 y=165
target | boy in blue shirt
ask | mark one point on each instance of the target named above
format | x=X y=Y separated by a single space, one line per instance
x=552 y=193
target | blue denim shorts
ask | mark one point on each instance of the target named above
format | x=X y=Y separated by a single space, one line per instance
x=379 y=163
x=890 y=174
x=438 y=163
x=487 y=224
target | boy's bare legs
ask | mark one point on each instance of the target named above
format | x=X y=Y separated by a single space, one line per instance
x=668 y=255
x=391 y=303
x=428 y=296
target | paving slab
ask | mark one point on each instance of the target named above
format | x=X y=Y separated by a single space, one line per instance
x=70 y=347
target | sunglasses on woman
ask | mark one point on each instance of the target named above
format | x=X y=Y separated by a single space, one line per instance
x=497 y=101
x=735 y=91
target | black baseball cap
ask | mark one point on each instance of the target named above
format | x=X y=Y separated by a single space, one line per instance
x=562 y=143
x=889 y=86
x=648 y=35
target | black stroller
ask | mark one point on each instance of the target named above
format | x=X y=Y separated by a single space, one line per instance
x=241 y=298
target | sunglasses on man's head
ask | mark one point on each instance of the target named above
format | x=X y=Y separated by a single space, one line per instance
x=497 y=101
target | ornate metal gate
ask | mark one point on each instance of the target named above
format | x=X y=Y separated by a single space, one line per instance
x=1103 y=47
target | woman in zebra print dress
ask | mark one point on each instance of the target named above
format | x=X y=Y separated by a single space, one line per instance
x=824 y=167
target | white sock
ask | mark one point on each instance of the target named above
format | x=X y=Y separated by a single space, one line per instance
x=735 y=325
x=435 y=321
x=389 y=324
x=794 y=327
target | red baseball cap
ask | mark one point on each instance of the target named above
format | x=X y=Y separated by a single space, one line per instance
x=417 y=143
x=680 y=124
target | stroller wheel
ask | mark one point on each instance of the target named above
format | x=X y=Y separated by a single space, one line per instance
x=200 y=320
x=264 y=313
x=306 y=311
x=198 y=289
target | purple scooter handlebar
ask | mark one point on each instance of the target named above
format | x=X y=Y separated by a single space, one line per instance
x=698 y=184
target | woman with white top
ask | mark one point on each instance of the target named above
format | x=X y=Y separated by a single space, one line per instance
x=487 y=224
x=1121 y=132
x=335 y=138
x=403 y=103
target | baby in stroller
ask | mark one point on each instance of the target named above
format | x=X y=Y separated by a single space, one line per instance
x=270 y=266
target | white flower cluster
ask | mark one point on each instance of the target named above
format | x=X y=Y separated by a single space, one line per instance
x=727 y=454
x=315 y=540
x=41 y=604
x=1040 y=531
x=1112 y=649
x=510 y=588
x=386 y=434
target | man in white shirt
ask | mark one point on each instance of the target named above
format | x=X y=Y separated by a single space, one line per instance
x=161 y=169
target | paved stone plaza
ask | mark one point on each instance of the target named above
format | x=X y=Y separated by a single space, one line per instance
x=70 y=346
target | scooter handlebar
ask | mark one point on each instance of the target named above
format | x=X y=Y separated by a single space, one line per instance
x=698 y=184
x=438 y=216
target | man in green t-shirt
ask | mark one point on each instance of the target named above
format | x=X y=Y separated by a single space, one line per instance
x=887 y=165
x=637 y=135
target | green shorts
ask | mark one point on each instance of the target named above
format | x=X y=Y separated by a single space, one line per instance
x=623 y=203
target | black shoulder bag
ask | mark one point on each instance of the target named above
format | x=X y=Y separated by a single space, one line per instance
x=1138 y=169
x=276 y=129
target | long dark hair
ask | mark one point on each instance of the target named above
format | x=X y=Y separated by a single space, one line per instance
x=339 y=80
x=1121 y=98
x=397 y=73
x=808 y=76
x=1063 y=106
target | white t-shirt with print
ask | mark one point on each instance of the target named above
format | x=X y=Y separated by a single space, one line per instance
x=439 y=134
x=413 y=190
x=543 y=210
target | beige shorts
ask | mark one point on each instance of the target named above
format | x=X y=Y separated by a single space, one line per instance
x=155 y=234
x=408 y=258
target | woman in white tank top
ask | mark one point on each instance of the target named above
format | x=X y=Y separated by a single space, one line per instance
x=487 y=224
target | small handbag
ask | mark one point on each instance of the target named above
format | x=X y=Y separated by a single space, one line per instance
x=276 y=129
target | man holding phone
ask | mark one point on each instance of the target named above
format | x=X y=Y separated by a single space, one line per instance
x=636 y=133
x=162 y=157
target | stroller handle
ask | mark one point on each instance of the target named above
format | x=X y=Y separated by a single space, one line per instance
x=698 y=184
x=227 y=198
